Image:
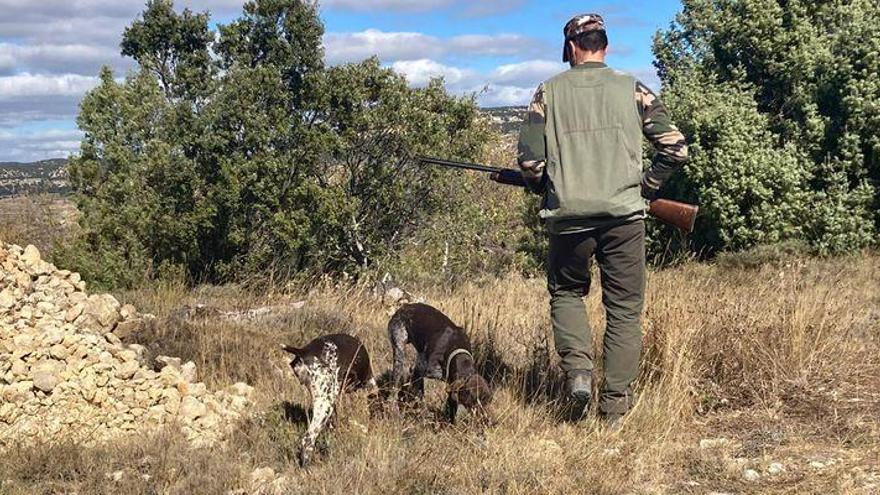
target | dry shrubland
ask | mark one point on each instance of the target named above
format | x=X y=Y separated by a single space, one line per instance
x=772 y=368
x=38 y=219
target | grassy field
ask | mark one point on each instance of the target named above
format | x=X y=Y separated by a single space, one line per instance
x=773 y=369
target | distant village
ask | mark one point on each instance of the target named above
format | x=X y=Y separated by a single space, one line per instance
x=46 y=176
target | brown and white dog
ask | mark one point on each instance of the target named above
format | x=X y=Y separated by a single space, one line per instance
x=328 y=366
x=444 y=353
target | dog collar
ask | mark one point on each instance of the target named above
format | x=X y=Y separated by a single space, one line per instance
x=452 y=355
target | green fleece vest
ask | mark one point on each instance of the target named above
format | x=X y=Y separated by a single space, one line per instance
x=594 y=149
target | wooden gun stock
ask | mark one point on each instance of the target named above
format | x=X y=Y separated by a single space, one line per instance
x=681 y=215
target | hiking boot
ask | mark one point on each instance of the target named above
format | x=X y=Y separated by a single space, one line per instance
x=579 y=386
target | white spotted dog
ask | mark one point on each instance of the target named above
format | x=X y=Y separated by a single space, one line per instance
x=444 y=353
x=329 y=365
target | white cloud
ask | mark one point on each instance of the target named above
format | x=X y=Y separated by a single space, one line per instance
x=7 y=62
x=50 y=51
x=494 y=45
x=374 y=5
x=29 y=98
x=466 y=8
x=528 y=73
x=648 y=76
x=420 y=72
x=354 y=47
x=509 y=85
x=396 y=46
x=58 y=59
x=28 y=10
x=506 y=96
x=41 y=85
x=39 y=145
x=98 y=22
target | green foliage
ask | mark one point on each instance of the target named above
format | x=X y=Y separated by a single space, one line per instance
x=478 y=233
x=751 y=191
x=173 y=47
x=779 y=100
x=242 y=156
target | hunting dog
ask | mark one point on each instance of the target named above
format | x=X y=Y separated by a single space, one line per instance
x=328 y=366
x=444 y=353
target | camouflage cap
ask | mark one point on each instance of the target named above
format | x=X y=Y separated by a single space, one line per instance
x=578 y=25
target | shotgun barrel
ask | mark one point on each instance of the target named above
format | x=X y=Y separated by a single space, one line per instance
x=675 y=213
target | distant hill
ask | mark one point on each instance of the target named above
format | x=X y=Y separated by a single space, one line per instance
x=50 y=176
x=508 y=119
x=46 y=176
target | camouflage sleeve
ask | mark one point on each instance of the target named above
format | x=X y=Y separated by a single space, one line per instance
x=532 y=153
x=667 y=140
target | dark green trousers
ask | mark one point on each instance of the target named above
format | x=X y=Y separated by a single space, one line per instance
x=620 y=252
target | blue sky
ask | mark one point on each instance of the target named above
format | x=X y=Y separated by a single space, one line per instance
x=51 y=50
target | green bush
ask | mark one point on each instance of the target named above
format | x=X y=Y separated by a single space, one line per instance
x=751 y=190
x=780 y=101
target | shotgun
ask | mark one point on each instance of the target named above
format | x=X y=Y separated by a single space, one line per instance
x=680 y=215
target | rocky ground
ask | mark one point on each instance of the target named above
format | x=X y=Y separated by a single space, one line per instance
x=64 y=371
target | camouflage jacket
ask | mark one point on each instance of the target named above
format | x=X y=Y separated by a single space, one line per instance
x=657 y=127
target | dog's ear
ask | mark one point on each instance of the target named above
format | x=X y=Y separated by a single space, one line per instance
x=292 y=350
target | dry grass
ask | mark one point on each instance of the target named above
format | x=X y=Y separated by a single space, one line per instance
x=38 y=219
x=782 y=360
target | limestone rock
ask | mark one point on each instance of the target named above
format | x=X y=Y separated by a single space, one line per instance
x=262 y=475
x=168 y=362
x=242 y=390
x=103 y=308
x=127 y=312
x=127 y=328
x=191 y=408
x=31 y=255
x=775 y=468
x=7 y=299
x=8 y=412
x=64 y=367
x=188 y=371
x=19 y=368
x=52 y=336
x=73 y=312
x=395 y=294
x=139 y=351
x=58 y=351
x=127 y=369
x=45 y=374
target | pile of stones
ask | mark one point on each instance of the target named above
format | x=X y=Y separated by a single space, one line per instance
x=65 y=372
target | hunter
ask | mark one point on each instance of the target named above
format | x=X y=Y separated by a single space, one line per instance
x=581 y=148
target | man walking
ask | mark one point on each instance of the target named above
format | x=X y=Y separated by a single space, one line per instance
x=581 y=148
